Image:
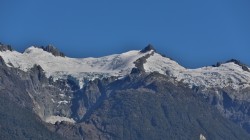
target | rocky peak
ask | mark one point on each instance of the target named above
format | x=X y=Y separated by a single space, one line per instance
x=235 y=61
x=5 y=47
x=148 y=48
x=53 y=50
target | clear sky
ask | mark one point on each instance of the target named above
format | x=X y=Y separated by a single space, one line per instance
x=193 y=32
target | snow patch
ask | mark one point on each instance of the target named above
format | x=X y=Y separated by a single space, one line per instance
x=52 y=100
x=202 y=137
x=63 y=102
x=54 y=119
x=62 y=95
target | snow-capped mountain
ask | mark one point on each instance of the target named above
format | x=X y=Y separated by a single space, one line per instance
x=139 y=94
x=229 y=74
x=81 y=69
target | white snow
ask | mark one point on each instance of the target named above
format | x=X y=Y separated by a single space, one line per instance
x=54 y=119
x=78 y=69
x=202 y=137
x=82 y=70
x=62 y=95
x=162 y=64
x=228 y=74
x=63 y=102
x=52 y=100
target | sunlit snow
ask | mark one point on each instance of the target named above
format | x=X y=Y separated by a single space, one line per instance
x=82 y=70
x=79 y=70
x=228 y=74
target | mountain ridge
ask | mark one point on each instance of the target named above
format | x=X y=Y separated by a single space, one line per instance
x=50 y=48
x=147 y=60
x=130 y=95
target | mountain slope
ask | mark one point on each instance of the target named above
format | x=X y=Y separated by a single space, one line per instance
x=137 y=107
x=153 y=107
x=137 y=95
x=20 y=123
x=61 y=67
x=84 y=69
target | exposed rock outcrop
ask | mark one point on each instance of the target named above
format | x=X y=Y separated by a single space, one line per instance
x=5 y=47
x=53 y=50
x=244 y=67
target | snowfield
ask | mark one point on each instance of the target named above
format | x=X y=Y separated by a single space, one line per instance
x=82 y=70
x=226 y=75
x=79 y=69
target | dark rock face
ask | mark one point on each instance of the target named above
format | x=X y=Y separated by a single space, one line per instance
x=151 y=47
x=139 y=106
x=235 y=61
x=5 y=47
x=20 y=123
x=148 y=48
x=217 y=64
x=17 y=117
x=152 y=107
x=232 y=104
x=2 y=61
x=135 y=71
x=53 y=50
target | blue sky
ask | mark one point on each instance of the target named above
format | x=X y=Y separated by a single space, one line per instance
x=193 y=32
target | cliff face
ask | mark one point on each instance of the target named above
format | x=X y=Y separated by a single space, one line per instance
x=144 y=106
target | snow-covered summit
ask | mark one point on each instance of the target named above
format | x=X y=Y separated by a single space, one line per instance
x=230 y=74
x=81 y=69
x=237 y=62
x=148 y=48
